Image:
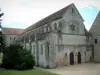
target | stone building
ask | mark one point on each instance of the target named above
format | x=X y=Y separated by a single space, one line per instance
x=60 y=39
x=11 y=35
x=95 y=31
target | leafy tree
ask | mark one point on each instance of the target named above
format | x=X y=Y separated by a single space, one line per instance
x=1 y=36
x=2 y=45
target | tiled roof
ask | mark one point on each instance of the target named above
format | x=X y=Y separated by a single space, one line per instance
x=48 y=19
x=12 y=31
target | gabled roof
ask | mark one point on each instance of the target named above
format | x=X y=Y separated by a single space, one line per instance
x=48 y=19
x=12 y=31
x=40 y=36
x=95 y=28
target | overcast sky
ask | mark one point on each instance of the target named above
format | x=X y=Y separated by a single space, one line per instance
x=23 y=13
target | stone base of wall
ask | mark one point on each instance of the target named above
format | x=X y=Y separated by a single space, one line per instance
x=63 y=60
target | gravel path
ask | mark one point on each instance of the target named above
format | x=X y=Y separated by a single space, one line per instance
x=79 y=69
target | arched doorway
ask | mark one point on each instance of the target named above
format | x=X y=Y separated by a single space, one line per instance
x=79 y=58
x=71 y=58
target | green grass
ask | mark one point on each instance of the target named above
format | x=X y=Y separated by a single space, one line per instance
x=25 y=72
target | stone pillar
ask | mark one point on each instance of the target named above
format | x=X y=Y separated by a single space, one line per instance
x=68 y=59
x=75 y=58
x=47 y=56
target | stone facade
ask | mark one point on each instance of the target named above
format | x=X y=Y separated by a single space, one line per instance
x=95 y=38
x=58 y=40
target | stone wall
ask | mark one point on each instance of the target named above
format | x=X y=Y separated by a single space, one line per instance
x=63 y=57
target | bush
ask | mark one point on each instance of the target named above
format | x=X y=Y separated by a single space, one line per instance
x=16 y=57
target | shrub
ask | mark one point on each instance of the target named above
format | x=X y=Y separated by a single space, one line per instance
x=16 y=57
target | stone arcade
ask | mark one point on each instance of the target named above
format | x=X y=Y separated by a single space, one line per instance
x=60 y=39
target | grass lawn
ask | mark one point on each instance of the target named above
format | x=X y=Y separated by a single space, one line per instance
x=25 y=72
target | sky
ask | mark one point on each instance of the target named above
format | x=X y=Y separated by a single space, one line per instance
x=23 y=13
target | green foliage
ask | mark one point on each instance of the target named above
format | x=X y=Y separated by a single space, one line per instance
x=16 y=57
x=1 y=37
x=2 y=45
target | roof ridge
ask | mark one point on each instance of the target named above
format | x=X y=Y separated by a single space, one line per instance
x=93 y=25
x=47 y=19
x=12 y=31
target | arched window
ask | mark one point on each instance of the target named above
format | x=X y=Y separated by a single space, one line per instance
x=14 y=38
x=55 y=26
x=60 y=24
x=96 y=41
x=41 y=49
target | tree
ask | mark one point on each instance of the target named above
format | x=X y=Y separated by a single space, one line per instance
x=1 y=35
x=1 y=42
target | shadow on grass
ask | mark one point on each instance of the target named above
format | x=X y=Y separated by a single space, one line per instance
x=35 y=71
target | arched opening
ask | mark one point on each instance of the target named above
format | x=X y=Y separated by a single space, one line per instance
x=79 y=58
x=71 y=58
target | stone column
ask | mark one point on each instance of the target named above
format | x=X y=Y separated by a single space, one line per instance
x=76 y=56
x=47 y=56
x=68 y=59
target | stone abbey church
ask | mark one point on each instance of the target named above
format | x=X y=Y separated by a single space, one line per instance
x=60 y=39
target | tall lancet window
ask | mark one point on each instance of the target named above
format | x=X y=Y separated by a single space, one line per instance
x=72 y=10
x=96 y=41
x=55 y=25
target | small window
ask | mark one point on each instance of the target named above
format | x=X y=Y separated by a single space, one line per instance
x=60 y=24
x=55 y=26
x=72 y=10
x=41 y=49
x=14 y=38
x=96 y=41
